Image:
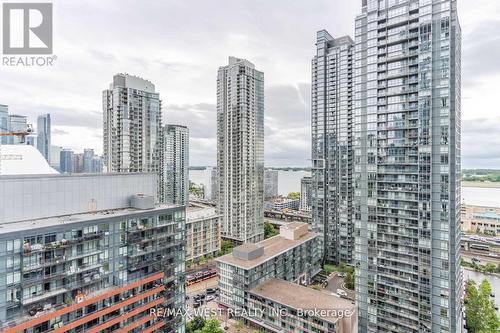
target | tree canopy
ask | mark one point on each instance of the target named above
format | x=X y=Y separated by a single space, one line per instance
x=195 y=325
x=269 y=230
x=480 y=313
x=211 y=326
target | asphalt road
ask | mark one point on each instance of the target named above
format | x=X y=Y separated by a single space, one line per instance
x=483 y=259
x=199 y=288
x=335 y=283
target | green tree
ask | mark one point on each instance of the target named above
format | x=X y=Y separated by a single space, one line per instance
x=490 y=268
x=269 y=230
x=195 y=325
x=349 y=280
x=294 y=195
x=480 y=313
x=196 y=190
x=226 y=247
x=211 y=326
x=329 y=268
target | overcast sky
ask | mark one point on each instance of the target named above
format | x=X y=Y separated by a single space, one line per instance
x=179 y=45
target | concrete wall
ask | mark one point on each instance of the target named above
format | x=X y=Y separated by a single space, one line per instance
x=294 y=231
x=36 y=196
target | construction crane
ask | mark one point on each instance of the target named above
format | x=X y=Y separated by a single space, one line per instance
x=21 y=134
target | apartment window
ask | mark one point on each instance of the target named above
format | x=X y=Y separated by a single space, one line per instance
x=444 y=102
x=13 y=278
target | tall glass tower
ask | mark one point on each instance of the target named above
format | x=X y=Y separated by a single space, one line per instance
x=132 y=125
x=407 y=166
x=44 y=131
x=331 y=115
x=240 y=150
x=175 y=165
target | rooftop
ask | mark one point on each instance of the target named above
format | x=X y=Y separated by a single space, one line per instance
x=300 y=297
x=23 y=160
x=76 y=218
x=284 y=200
x=291 y=236
x=196 y=212
x=488 y=215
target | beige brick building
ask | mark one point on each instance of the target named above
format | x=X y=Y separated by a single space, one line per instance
x=481 y=218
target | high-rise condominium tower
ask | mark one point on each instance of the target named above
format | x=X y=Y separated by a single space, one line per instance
x=88 y=160
x=305 y=194
x=132 y=125
x=407 y=166
x=43 y=140
x=211 y=190
x=332 y=191
x=67 y=161
x=175 y=165
x=55 y=157
x=240 y=150
x=17 y=123
x=270 y=183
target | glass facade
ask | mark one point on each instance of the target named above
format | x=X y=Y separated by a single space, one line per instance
x=240 y=150
x=132 y=125
x=175 y=165
x=100 y=275
x=407 y=166
x=332 y=191
x=43 y=142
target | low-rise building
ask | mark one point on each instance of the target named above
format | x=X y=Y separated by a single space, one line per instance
x=282 y=203
x=480 y=219
x=293 y=255
x=202 y=231
x=281 y=306
x=89 y=253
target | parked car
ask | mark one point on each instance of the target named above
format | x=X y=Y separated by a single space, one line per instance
x=475 y=260
x=210 y=298
x=211 y=291
x=341 y=293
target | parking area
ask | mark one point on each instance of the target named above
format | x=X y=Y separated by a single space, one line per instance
x=335 y=285
x=202 y=293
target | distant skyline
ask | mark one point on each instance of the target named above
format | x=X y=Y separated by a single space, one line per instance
x=179 y=47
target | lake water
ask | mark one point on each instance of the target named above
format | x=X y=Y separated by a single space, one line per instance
x=479 y=196
x=288 y=181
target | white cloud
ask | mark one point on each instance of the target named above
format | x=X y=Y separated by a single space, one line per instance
x=179 y=45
